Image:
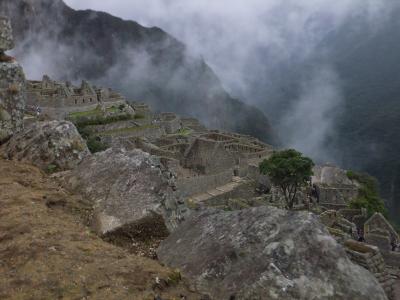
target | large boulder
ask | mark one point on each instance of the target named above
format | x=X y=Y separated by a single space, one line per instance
x=265 y=253
x=127 y=188
x=12 y=86
x=51 y=146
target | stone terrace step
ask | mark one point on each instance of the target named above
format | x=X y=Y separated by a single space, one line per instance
x=236 y=182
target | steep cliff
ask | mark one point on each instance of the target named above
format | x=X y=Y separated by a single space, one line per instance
x=146 y=64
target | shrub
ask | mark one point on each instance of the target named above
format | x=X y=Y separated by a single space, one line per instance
x=139 y=116
x=368 y=197
x=96 y=145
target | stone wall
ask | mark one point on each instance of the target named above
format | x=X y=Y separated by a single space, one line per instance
x=170 y=122
x=336 y=196
x=392 y=258
x=150 y=132
x=208 y=157
x=57 y=99
x=371 y=259
x=200 y=184
x=12 y=99
x=378 y=224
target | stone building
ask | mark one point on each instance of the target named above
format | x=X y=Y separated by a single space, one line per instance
x=379 y=232
x=58 y=99
x=336 y=190
x=208 y=157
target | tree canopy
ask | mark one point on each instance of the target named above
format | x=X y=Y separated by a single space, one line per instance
x=289 y=170
x=368 y=194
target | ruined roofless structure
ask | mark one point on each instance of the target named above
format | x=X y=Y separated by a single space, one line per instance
x=58 y=99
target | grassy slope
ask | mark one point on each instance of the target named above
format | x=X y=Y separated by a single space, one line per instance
x=46 y=252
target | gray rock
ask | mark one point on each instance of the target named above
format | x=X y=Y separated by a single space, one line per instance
x=52 y=146
x=6 y=36
x=265 y=253
x=330 y=175
x=12 y=99
x=126 y=187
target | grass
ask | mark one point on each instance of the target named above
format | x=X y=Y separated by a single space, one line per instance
x=94 y=112
x=127 y=130
x=89 y=113
x=102 y=120
x=139 y=117
x=184 y=131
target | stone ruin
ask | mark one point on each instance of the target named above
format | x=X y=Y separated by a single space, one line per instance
x=336 y=190
x=370 y=258
x=12 y=86
x=57 y=100
x=379 y=232
x=374 y=251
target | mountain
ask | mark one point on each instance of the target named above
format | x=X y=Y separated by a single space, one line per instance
x=146 y=64
x=365 y=56
x=367 y=60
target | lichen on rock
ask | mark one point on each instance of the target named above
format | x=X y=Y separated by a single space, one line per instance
x=51 y=146
x=125 y=188
x=265 y=253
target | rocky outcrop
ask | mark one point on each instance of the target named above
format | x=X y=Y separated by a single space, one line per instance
x=51 y=146
x=265 y=253
x=12 y=86
x=126 y=187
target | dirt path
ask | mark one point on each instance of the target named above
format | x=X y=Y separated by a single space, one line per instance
x=46 y=252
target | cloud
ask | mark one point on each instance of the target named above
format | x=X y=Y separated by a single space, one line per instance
x=309 y=122
x=241 y=39
x=248 y=42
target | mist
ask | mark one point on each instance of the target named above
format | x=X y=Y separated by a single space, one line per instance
x=248 y=43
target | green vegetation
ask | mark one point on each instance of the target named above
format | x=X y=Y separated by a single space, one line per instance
x=139 y=117
x=128 y=129
x=289 y=170
x=184 y=131
x=95 y=145
x=80 y=114
x=82 y=122
x=52 y=168
x=96 y=113
x=368 y=194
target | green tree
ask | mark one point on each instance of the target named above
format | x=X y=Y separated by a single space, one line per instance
x=368 y=194
x=289 y=170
